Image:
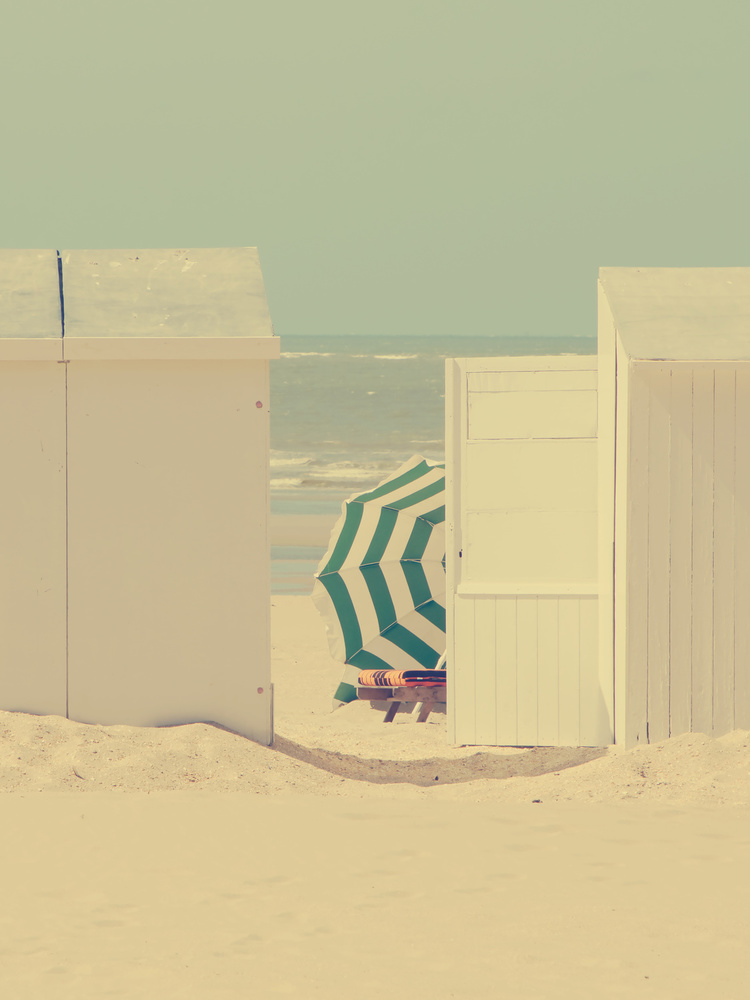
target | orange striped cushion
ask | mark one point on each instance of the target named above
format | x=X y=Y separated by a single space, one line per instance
x=401 y=678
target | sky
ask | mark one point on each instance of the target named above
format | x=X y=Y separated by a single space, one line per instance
x=430 y=167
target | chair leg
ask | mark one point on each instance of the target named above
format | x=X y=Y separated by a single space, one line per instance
x=392 y=709
x=424 y=712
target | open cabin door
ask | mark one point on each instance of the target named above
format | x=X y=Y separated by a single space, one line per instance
x=523 y=593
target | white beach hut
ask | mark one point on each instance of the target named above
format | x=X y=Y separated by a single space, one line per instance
x=134 y=440
x=674 y=356
x=598 y=520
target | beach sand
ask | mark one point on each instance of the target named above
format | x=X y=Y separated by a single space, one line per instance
x=357 y=858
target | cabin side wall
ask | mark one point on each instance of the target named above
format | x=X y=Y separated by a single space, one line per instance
x=32 y=537
x=687 y=561
x=168 y=574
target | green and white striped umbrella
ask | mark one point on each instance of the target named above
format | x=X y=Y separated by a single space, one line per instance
x=380 y=587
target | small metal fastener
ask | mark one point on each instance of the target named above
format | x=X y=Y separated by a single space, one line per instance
x=259 y=405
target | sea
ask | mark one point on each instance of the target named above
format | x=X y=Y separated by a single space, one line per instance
x=347 y=411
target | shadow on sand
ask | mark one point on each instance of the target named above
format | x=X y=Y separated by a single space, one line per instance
x=481 y=765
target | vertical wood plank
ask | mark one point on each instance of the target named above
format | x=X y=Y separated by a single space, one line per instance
x=595 y=729
x=621 y=547
x=606 y=387
x=464 y=685
x=742 y=550
x=637 y=560
x=527 y=680
x=703 y=554
x=485 y=671
x=723 y=595
x=507 y=658
x=569 y=620
x=681 y=549
x=453 y=472
x=548 y=671
x=659 y=388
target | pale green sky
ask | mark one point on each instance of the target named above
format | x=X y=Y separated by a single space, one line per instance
x=404 y=166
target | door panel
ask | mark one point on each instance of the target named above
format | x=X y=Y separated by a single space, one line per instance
x=523 y=482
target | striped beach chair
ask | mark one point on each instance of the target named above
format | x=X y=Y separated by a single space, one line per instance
x=396 y=687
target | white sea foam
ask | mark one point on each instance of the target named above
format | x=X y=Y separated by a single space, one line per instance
x=339 y=472
x=306 y=354
x=285 y=484
x=330 y=475
x=386 y=357
x=281 y=460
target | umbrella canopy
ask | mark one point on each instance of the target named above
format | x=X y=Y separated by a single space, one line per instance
x=380 y=587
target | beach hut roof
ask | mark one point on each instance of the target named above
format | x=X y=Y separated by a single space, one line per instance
x=680 y=313
x=207 y=292
x=203 y=292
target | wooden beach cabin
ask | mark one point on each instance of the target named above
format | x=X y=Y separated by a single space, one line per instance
x=674 y=356
x=134 y=442
x=598 y=524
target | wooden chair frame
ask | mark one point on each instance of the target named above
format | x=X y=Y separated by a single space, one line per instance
x=428 y=696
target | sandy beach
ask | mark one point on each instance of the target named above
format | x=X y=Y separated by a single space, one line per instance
x=357 y=857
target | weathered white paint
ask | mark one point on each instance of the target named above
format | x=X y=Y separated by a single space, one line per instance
x=522 y=556
x=158 y=422
x=681 y=392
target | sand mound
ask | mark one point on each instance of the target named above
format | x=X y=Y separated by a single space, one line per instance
x=351 y=752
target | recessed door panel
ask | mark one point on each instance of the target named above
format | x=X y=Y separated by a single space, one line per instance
x=531 y=475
